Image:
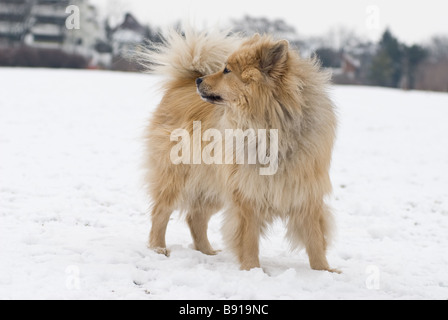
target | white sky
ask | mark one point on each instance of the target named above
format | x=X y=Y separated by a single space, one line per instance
x=411 y=21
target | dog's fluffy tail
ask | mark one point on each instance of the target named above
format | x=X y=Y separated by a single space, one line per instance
x=188 y=55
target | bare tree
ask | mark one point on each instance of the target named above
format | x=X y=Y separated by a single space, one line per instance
x=342 y=38
x=433 y=73
x=438 y=48
x=251 y=25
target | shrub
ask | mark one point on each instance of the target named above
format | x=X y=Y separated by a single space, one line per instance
x=45 y=58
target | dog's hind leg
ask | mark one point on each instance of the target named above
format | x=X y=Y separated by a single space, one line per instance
x=198 y=217
x=312 y=226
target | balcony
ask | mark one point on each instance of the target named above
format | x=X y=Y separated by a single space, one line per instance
x=56 y=11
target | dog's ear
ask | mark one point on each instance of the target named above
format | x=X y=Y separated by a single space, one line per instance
x=253 y=40
x=273 y=59
x=256 y=37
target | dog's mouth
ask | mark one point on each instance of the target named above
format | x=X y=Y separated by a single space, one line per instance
x=214 y=99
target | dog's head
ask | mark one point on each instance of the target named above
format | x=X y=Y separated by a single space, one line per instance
x=256 y=67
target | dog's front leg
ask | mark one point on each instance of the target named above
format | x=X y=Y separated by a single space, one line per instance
x=160 y=218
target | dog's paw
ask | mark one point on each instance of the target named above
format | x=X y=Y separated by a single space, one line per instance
x=212 y=252
x=163 y=251
x=331 y=270
x=325 y=268
x=208 y=252
x=205 y=249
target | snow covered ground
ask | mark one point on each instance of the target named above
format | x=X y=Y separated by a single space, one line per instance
x=74 y=221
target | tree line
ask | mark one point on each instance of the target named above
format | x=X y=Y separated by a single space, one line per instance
x=353 y=60
x=391 y=63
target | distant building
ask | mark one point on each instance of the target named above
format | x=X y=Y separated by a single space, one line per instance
x=350 y=66
x=124 y=40
x=14 y=21
x=42 y=24
x=127 y=36
x=348 y=72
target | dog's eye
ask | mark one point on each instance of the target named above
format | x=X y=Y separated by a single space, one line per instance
x=226 y=71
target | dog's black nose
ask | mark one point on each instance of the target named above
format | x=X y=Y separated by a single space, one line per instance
x=198 y=81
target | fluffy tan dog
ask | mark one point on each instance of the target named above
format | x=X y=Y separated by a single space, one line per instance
x=218 y=83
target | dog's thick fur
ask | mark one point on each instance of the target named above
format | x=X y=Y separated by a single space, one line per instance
x=266 y=85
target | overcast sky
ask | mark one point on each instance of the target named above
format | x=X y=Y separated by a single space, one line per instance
x=412 y=21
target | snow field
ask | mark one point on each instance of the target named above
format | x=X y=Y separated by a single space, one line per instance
x=74 y=220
